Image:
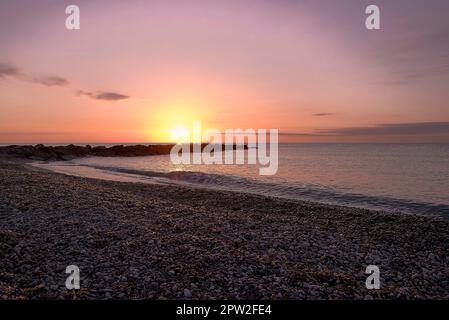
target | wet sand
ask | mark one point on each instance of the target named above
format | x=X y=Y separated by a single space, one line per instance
x=143 y=241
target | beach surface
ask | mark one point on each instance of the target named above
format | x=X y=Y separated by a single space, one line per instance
x=145 y=241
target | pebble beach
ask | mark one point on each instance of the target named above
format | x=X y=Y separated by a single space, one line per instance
x=143 y=241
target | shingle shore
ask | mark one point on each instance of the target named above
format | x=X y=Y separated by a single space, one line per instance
x=137 y=241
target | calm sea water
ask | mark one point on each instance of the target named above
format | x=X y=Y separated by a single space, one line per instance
x=410 y=178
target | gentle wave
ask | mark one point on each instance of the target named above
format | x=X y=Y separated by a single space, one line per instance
x=298 y=191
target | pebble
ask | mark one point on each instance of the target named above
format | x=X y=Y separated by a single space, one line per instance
x=187 y=293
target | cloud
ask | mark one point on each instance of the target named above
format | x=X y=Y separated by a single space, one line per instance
x=10 y=71
x=51 y=81
x=101 y=95
x=324 y=114
x=298 y=134
x=416 y=128
x=7 y=70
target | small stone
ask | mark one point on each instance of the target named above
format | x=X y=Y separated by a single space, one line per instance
x=187 y=293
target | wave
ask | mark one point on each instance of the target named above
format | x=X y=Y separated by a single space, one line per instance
x=297 y=191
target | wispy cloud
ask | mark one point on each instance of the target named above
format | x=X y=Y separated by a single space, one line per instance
x=323 y=114
x=7 y=70
x=11 y=71
x=417 y=128
x=101 y=95
x=51 y=81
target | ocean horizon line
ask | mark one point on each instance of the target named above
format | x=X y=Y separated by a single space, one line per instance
x=167 y=143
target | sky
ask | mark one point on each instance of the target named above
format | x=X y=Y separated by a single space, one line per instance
x=137 y=70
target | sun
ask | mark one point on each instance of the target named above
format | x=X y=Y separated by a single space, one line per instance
x=180 y=135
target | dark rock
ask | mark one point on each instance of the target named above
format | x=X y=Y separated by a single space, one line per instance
x=41 y=152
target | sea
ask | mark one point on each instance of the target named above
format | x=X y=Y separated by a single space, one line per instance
x=408 y=178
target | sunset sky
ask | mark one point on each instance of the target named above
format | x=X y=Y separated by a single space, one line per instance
x=137 y=69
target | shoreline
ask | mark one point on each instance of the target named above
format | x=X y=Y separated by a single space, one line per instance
x=144 y=241
x=175 y=178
